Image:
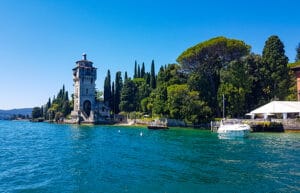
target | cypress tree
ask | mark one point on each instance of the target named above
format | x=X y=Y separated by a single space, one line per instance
x=112 y=103
x=129 y=100
x=139 y=72
x=147 y=78
x=63 y=89
x=66 y=96
x=275 y=69
x=118 y=89
x=107 y=88
x=135 y=70
x=298 y=53
x=143 y=70
x=125 y=77
x=42 y=111
x=48 y=105
x=152 y=76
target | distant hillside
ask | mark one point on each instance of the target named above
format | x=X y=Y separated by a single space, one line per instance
x=7 y=114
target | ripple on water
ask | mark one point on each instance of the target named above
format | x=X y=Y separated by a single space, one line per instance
x=40 y=157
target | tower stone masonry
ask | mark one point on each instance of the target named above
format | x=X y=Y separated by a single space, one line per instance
x=85 y=105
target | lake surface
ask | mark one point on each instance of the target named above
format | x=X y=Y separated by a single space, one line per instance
x=42 y=157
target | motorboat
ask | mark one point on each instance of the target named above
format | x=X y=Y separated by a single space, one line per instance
x=231 y=128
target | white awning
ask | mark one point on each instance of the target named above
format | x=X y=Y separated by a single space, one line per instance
x=275 y=107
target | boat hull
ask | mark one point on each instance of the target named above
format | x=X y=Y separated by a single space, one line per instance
x=232 y=131
x=229 y=134
x=157 y=127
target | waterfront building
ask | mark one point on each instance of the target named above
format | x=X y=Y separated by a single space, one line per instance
x=86 y=108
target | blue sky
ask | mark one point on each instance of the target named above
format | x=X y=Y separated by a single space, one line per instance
x=40 y=40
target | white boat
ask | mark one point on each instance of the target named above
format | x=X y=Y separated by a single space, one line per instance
x=232 y=128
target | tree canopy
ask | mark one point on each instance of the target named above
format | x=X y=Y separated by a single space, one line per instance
x=192 y=90
x=275 y=69
x=204 y=62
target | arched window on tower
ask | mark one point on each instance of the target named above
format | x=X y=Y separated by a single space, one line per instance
x=87 y=91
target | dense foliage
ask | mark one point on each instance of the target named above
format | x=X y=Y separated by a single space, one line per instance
x=204 y=62
x=192 y=90
x=60 y=107
x=274 y=69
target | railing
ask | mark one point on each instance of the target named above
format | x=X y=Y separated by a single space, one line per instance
x=214 y=125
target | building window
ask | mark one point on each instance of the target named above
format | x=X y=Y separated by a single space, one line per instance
x=87 y=91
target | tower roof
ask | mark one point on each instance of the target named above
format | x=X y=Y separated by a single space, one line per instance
x=84 y=62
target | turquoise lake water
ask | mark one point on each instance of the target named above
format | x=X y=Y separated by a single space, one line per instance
x=41 y=157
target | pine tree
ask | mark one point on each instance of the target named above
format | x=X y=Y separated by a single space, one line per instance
x=143 y=70
x=275 y=69
x=152 y=76
x=107 y=88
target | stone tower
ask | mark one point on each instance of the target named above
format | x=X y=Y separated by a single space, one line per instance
x=84 y=77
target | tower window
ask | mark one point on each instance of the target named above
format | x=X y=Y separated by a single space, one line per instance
x=87 y=91
x=91 y=81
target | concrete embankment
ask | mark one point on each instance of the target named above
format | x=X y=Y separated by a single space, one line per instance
x=274 y=125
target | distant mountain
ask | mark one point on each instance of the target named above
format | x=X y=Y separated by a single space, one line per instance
x=7 y=114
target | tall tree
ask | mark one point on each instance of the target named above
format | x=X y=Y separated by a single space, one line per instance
x=118 y=89
x=158 y=101
x=135 y=75
x=107 y=88
x=255 y=97
x=128 y=101
x=275 y=69
x=112 y=104
x=47 y=106
x=147 y=78
x=171 y=75
x=125 y=76
x=152 y=76
x=143 y=91
x=143 y=70
x=139 y=72
x=36 y=112
x=204 y=61
x=298 y=53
